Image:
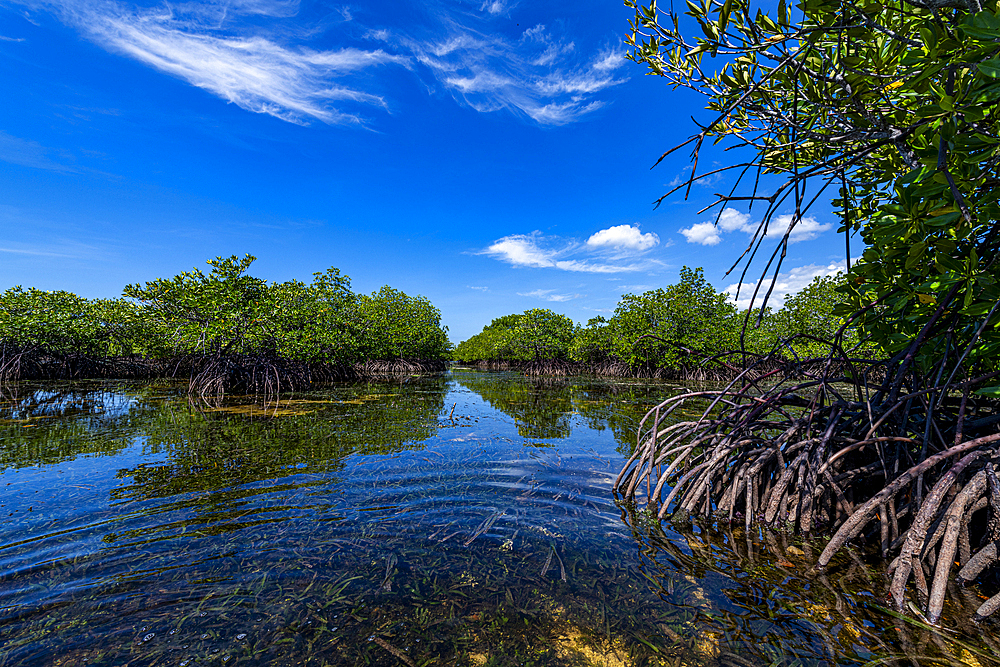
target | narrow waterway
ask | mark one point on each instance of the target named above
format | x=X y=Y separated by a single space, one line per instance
x=460 y=519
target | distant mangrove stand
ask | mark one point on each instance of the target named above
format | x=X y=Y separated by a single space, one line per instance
x=685 y=331
x=225 y=331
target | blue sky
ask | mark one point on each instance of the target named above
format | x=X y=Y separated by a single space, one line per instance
x=492 y=156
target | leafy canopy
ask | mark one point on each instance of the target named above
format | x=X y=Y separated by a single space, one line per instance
x=895 y=107
x=228 y=311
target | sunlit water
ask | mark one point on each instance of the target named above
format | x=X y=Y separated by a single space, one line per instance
x=460 y=519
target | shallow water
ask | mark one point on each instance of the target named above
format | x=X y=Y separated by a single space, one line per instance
x=460 y=519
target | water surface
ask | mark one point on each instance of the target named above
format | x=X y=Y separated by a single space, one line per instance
x=459 y=519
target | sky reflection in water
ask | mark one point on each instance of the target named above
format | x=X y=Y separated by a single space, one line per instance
x=462 y=519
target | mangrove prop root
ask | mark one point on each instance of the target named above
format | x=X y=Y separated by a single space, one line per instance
x=913 y=546
x=862 y=516
x=908 y=465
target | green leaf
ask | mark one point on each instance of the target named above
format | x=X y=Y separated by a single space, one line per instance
x=943 y=220
x=990 y=67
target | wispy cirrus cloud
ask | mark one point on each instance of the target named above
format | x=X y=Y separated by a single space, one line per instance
x=540 y=75
x=603 y=252
x=36 y=253
x=731 y=220
x=496 y=7
x=260 y=55
x=210 y=46
x=704 y=180
x=550 y=295
x=788 y=283
x=16 y=150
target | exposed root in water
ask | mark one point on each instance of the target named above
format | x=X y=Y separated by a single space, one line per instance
x=19 y=362
x=552 y=367
x=268 y=376
x=211 y=376
x=259 y=375
x=391 y=367
x=906 y=466
x=30 y=362
x=782 y=586
x=700 y=368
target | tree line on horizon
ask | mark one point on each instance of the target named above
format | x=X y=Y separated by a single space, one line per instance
x=227 y=323
x=667 y=331
x=292 y=331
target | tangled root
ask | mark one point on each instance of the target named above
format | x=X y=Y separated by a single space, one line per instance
x=391 y=367
x=810 y=454
x=258 y=375
x=31 y=362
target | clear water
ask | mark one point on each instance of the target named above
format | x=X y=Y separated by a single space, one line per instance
x=461 y=519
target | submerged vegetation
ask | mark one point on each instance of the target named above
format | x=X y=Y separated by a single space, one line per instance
x=226 y=330
x=393 y=522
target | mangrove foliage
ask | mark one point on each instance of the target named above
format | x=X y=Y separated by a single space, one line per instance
x=687 y=330
x=226 y=330
x=891 y=110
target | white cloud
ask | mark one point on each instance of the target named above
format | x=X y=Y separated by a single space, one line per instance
x=540 y=75
x=787 y=284
x=703 y=180
x=537 y=251
x=479 y=288
x=549 y=295
x=246 y=52
x=27 y=153
x=39 y=253
x=805 y=229
x=204 y=45
x=591 y=267
x=553 y=53
x=705 y=233
x=521 y=250
x=623 y=236
x=731 y=220
x=495 y=7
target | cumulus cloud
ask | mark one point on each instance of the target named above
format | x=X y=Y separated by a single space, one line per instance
x=704 y=233
x=731 y=220
x=538 y=251
x=623 y=236
x=550 y=295
x=805 y=229
x=787 y=284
